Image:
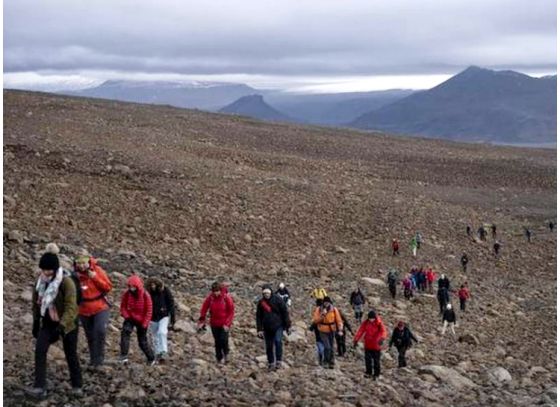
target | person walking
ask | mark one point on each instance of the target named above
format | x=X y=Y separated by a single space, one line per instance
x=341 y=339
x=443 y=298
x=493 y=229
x=283 y=292
x=497 y=247
x=374 y=333
x=94 y=307
x=430 y=278
x=551 y=226
x=528 y=234
x=482 y=233
x=414 y=245
x=163 y=315
x=136 y=309
x=443 y=281
x=328 y=321
x=392 y=281
x=222 y=310
x=463 y=295
x=419 y=239
x=402 y=338
x=395 y=246
x=448 y=319
x=407 y=288
x=464 y=262
x=55 y=316
x=272 y=320
x=357 y=302
x=469 y=231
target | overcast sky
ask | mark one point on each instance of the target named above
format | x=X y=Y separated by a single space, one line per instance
x=295 y=44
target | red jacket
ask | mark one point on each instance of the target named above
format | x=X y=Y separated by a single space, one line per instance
x=373 y=333
x=464 y=293
x=431 y=276
x=94 y=290
x=221 y=309
x=395 y=245
x=137 y=307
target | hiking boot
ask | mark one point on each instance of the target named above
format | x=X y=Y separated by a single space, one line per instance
x=331 y=366
x=36 y=392
x=152 y=362
x=226 y=359
x=123 y=360
x=77 y=392
x=368 y=375
x=271 y=367
x=279 y=365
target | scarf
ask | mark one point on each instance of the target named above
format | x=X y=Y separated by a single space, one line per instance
x=47 y=291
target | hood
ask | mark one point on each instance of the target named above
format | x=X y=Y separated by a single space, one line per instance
x=135 y=281
x=154 y=280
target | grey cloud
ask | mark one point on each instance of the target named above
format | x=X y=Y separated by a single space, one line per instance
x=279 y=38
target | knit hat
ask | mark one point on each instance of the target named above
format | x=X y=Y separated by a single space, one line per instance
x=267 y=287
x=448 y=306
x=49 y=261
x=371 y=314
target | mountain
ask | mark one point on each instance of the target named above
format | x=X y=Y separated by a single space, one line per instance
x=332 y=108
x=200 y=95
x=255 y=106
x=475 y=105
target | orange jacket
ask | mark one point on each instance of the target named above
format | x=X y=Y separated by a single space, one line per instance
x=330 y=322
x=94 y=290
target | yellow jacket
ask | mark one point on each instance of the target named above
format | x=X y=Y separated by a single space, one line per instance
x=318 y=293
x=329 y=322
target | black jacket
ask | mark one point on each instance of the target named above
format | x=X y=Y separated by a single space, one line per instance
x=357 y=298
x=444 y=283
x=464 y=260
x=272 y=314
x=443 y=295
x=449 y=315
x=402 y=339
x=163 y=304
x=283 y=293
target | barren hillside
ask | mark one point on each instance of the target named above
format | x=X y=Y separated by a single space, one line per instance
x=192 y=196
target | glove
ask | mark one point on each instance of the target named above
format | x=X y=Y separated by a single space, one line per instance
x=260 y=334
x=91 y=273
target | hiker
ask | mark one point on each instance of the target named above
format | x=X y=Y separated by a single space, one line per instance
x=357 y=301
x=93 y=305
x=464 y=262
x=449 y=319
x=469 y=231
x=341 y=339
x=329 y=323
x=463 y=295
x=412 y=277
x=392 y=281
x=528 y=234
x=395 y=246
x=551 y=226
x=443 y=298
x=418 y=239
x=402 y=338
x=414 y=245
x=318 y=294
x=497 y=246
x=374 y=333
x=272 y=320
x=421 y=277
x=221 y=307
x=482 y=233
x=443 y=281
x=430 y=278
x=136 y=309
x=407 y=288
x=163 y=315
x=284 y=294
x=55 y=316
x=493 y=228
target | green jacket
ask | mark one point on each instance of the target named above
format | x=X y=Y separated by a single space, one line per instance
x=65 y=303
x=413 y=243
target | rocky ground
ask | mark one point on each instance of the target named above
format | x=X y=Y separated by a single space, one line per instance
x=193 y=197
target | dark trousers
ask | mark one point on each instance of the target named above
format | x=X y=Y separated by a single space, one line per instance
x=373 y=357
x=358 y=312
x=463 y=303
x=341 y=344
x=395 y=252
x=393 y=290
x=402 y=356
x=273 y=341
x=95 y=328
x=47 y=336
x=141 y=333
x=441 y=306
x=221 y=342
x=328 y=343
x=464 y=267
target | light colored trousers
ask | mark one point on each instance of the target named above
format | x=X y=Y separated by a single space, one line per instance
x=414 y=251
x=159 y=333
x=451 y=325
